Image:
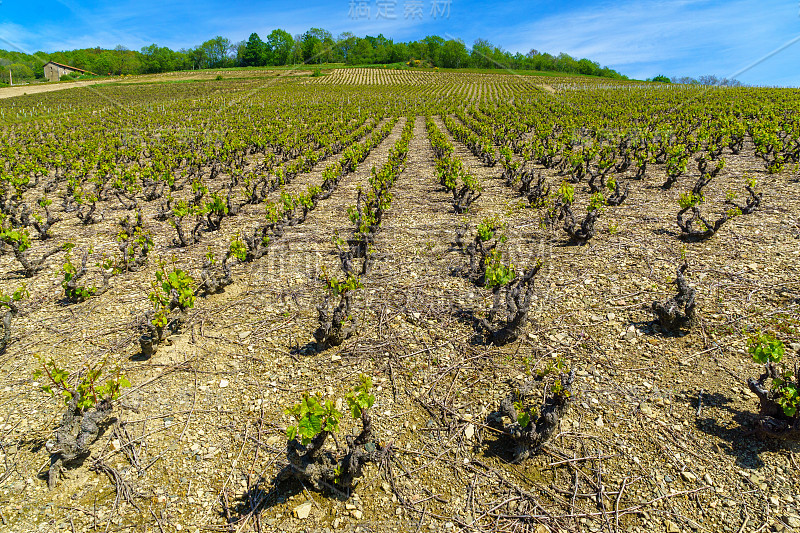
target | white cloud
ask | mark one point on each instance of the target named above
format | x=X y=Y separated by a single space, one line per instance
x=17 y=38
x=680 y=37
x=639 y=38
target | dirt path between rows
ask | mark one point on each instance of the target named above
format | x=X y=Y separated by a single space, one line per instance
x=421 y=210
x=308 y=245
x=20 y=90
x=495 y=193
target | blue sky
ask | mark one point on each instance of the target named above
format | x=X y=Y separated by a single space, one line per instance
x=640 y=38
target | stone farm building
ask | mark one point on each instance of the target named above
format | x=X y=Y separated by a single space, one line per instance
x=53 y=71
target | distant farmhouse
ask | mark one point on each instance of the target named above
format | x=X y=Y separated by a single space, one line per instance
x=53 y=71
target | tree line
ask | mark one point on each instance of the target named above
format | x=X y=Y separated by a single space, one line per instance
x=316 y=46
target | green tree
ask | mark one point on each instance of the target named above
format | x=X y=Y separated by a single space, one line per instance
x=296 y=56
x=216 y=52
x=160 y=59
x=566 y=63
x=345 y=44
x=399 y=53
x=255 y=52
x=362 y=54
x=21 y=72
x=434 y=45
x=316 y=45
x=279 y=47
x=454 y=54
x=587 y=67
x=102 y=64
x=197 y=57
x=417 y=50
x=481 y=54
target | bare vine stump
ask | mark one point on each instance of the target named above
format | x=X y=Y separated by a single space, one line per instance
x=529 y=438
x=515 y=309
x=580 y=234
x=213 y=279
x=332 y=330
x=8 y=314
x=677 y=313
x=773 y=422
x=71 y=441
x=330 y=470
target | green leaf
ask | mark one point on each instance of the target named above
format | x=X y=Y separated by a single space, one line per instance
x=331 y=424
x=310 y=426
x=355 y=410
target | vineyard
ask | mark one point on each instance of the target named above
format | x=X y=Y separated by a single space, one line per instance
x=400 y=300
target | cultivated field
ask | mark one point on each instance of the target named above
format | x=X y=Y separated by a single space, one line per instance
x=459 y=241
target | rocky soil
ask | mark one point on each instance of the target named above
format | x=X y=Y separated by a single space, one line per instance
x=658 y=437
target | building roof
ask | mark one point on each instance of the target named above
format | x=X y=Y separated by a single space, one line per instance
x=71 y=68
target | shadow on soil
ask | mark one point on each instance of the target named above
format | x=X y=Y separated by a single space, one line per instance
x=310 y=348
x=651 y=328
x=740 y=440
x=469 y=318
x=37 y=443
x=263 y=495
x=499 y=447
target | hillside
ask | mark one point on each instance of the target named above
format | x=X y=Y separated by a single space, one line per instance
x=231 y=272
x=312 y=48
